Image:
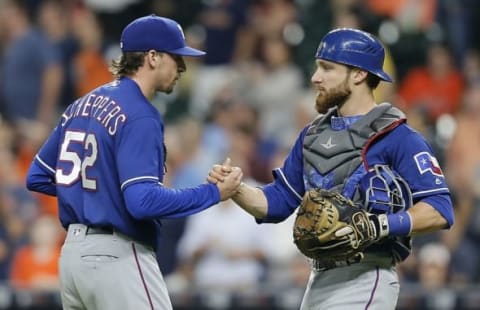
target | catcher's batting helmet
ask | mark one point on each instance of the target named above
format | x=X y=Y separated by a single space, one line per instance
x=355 y=48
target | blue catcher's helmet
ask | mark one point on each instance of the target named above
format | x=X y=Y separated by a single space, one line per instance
x=355 y=48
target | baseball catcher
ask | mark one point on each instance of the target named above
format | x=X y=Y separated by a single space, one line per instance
x=362 y=181
x=333 y=230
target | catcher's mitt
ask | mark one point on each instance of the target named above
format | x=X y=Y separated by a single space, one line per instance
x=331 y=229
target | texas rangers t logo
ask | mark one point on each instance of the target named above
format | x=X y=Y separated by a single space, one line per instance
x=426 y=162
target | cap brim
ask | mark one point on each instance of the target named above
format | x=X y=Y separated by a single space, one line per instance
x=187 y=51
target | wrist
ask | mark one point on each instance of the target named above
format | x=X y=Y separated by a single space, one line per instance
x=239 y=190
x=215 y=191
x=400 y=223
x=382 y=226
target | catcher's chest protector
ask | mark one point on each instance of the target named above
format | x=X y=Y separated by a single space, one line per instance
x=338 y=153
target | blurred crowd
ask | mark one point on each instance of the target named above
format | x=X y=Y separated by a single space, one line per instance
x=247 y=99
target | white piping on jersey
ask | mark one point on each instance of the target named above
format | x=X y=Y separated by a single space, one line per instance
x=44 y=164
x=136 y=179
x=443 y=189
x=288 y=184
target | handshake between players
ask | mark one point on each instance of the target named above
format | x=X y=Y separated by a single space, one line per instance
x=227 y=178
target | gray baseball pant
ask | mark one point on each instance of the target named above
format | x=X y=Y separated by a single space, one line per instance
x=109 y=272
x=372 y=284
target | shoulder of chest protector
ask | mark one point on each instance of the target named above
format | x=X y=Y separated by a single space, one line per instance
x=320 y=119
x=378 y=121
x=375 y=121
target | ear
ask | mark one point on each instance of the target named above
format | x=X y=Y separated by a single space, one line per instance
x=359 y=75
x=152 y=58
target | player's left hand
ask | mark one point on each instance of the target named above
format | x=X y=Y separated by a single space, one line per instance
x=331 y=228
x=229 y=186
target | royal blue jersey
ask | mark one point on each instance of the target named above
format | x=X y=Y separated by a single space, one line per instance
x=403 y=149
x=105 y=163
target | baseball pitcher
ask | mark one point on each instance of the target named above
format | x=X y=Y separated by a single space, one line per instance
x=105 y=163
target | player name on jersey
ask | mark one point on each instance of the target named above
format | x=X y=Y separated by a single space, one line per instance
x=101 y=108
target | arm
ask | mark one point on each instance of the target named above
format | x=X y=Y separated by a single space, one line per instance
x=271 y=203
x=151 y=200
x=416 y=165
x=41 y=174
x=252 y=200
x=425 y=218
x=430 y=214
x=276 y=201
x=40 y=180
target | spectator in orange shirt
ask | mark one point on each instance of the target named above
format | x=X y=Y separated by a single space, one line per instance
x=436 y=88
x=35 y=266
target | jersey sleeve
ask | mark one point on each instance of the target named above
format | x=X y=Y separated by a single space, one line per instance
x=148 y=200
x=41 y=174
x=40 y=180
x=415 y=161
x=443 y=204
x=140 y=154
x=46 y=157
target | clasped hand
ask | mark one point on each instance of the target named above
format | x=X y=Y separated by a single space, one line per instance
x=227 y=178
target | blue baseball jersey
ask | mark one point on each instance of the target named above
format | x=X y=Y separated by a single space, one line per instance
x=105 y=163
x=403 y=149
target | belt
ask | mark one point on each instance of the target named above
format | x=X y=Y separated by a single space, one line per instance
x=323 y=265
x=379 y=259
x=104 y=230
x=99 y=230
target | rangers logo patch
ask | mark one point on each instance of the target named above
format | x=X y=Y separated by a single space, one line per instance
x=427 y=162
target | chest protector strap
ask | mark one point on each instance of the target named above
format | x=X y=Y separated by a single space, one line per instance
x=338 y=153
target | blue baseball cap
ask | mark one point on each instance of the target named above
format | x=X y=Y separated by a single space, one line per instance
x=156 y=33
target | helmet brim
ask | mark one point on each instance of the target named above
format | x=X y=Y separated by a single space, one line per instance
x=383 y=75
